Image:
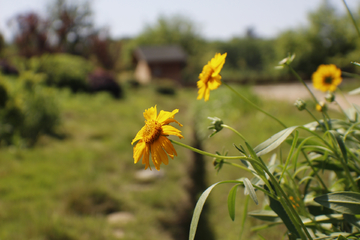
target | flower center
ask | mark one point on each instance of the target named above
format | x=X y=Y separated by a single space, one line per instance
x=328 y=80
x=152 y=131
x=207 y=73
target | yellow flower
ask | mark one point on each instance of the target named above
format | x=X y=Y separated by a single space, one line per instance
x=152 y=138
x=210 y=78
x=327 y=78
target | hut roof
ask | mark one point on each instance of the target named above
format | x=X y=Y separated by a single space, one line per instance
x=160 y=53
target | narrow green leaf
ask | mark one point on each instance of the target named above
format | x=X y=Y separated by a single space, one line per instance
x=344 y=202
x=328 y=218
x=199 y=206
x=274 y=141
x=341 y=144
x=265 y=215
x=231 y=201
x=249 y=189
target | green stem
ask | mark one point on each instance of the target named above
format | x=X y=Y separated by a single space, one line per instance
x=352 y=18
x=302 y=81
x=344 y=164
x=238 y=166
x=207 y=153
x=319 y=137
x=293 y=215
x=234 y=130
x=314 y=118
x=326 y=119
x=255 y=106
x=315 y=172
x=342 y=110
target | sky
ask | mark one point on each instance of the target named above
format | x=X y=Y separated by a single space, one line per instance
x=220 y=20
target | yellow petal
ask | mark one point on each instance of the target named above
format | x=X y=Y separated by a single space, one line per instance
x=201 y=92
x=157 y=154
x=139 y=135
x=164 y=115
x=170 y=130
x=146 y=157
x=215 y=83
x=150 y=113
x=138 y=151
x=168 y=147
x=207 y=94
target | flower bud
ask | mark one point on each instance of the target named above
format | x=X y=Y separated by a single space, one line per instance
x=216 y=125
x=300 y=104
x=287 y=60
x=330 y=97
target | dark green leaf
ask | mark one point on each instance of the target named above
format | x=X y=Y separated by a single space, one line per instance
x=231 y=201
x=344 y=202
x=352 y=220
x=277 y=207
x=341 y=237
x=341 y=144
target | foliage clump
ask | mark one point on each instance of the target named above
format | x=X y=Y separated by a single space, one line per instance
x=63 y=70
x=27 y=109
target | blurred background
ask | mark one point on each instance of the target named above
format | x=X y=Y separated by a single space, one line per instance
x=76 y=76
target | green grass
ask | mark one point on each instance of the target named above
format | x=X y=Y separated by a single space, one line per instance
x=46 y=191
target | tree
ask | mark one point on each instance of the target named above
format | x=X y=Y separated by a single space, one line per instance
x=31 y=34
x=71 y=26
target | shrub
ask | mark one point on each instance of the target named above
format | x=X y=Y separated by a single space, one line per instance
x=101 y=80
x=63 y=70
x=27 y=109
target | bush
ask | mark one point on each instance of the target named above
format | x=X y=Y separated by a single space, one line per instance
x=101 y=80
x=63 y=70
x=27 y=109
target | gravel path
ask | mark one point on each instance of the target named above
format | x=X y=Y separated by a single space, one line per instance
x=293 y=91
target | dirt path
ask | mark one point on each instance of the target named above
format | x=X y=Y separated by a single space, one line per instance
x=293 y=91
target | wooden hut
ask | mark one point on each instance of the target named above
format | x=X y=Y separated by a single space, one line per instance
x=158 y=62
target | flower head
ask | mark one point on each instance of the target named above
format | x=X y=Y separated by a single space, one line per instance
x=210 y=78
x=152 y=138
x=327 y=78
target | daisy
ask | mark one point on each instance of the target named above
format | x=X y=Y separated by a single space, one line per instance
x=210 y=78
x=152 y=138
x=327 y=78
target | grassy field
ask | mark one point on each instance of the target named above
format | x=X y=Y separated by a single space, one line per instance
x=69 y=187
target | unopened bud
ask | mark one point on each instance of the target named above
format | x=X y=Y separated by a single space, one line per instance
x=300 y=104
x=330 y=97
x=216 y=125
